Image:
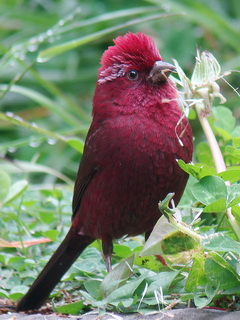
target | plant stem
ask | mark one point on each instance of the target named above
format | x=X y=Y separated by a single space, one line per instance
x=184 y=229
x=214 y=147
x=218 y=161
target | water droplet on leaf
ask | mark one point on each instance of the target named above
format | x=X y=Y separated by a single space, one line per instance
x=51 y=141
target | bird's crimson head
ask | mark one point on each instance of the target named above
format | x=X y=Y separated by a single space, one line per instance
x=133 y=78
x=136 y=57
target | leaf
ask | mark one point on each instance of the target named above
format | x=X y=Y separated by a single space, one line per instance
x=18 y=244
x=160 y=230
x=49 y=53
x=198 y=170
x=209 y=189
x=51 y=234
x=24 y=166
x=224 y=119
x=220 y=242
x=5 y=183
x=15 y=191
x=71 y=308
x=148 y=262
x=162 y=280
x=235 y=152
x=233 y=195
x=210 y=291
x=76 y=143
x=116 y=277
x=204 y=153
x=236 y=212
x=42 y=100
x=232 y=174
x=219 y=205
x=122 y=251
x=196 y=275
x=126 y=290
x=219 y=272
x=201 y=14
x=92 y=287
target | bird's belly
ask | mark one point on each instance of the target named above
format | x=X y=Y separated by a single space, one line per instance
x=123 y=197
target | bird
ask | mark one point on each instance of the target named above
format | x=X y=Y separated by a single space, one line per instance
x=129 y=162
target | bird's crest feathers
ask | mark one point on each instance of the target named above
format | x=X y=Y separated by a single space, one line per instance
x=133 y=49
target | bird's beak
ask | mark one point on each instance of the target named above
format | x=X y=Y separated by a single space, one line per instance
x=161 y=71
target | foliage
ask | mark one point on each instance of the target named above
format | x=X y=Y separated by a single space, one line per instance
x=50 y=52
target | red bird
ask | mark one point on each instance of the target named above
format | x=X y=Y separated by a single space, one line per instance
x=129 y=161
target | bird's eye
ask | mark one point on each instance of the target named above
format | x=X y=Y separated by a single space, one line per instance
x=132 y=74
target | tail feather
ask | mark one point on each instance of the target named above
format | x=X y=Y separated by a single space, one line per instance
x=60 y=262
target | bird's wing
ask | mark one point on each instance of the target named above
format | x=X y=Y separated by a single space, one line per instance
x=86 y=171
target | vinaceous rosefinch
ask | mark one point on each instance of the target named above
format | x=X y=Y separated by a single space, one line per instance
x=130 y=157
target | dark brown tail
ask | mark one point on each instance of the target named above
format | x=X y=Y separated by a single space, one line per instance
x=68 y=251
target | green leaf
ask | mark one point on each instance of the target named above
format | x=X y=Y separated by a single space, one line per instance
x=200 y=14
x=209 y=189
x=233 y=195
x=198 y=170
x=220 y=242
x=49 y=53
x=116 y=277
x=71 y=308
x=148 y=262
x=210 y=292
x=34 y=167
x=76 y=143
x=235 y=152
x=92 y=287
x=51 y=234
x=232 y=174
x=42 y=100
x=160 y=231
x=5 y=183
x=219 y=205
x=219 y=272
x=162 y=280
x=122 y=251
x=196 y=275
x=224 y=119
x=15 y=191
x=125 y=291
x=204 y=154
x=236 y=212
x=177 y=242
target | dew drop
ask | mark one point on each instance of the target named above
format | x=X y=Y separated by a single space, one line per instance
x=51 y=39
x=33 y=40
x=9 y=114
x=34 y=144
x=18 y=118
x=49 y=32
x=41 y=60
x=22 y=57
x=78 y=10
x=51 y=141
x=11 y=149
x=34 y=125
x=33 y=47
x=61 y=22
x=12 y=63
x=41 y=38
x=16 y=54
